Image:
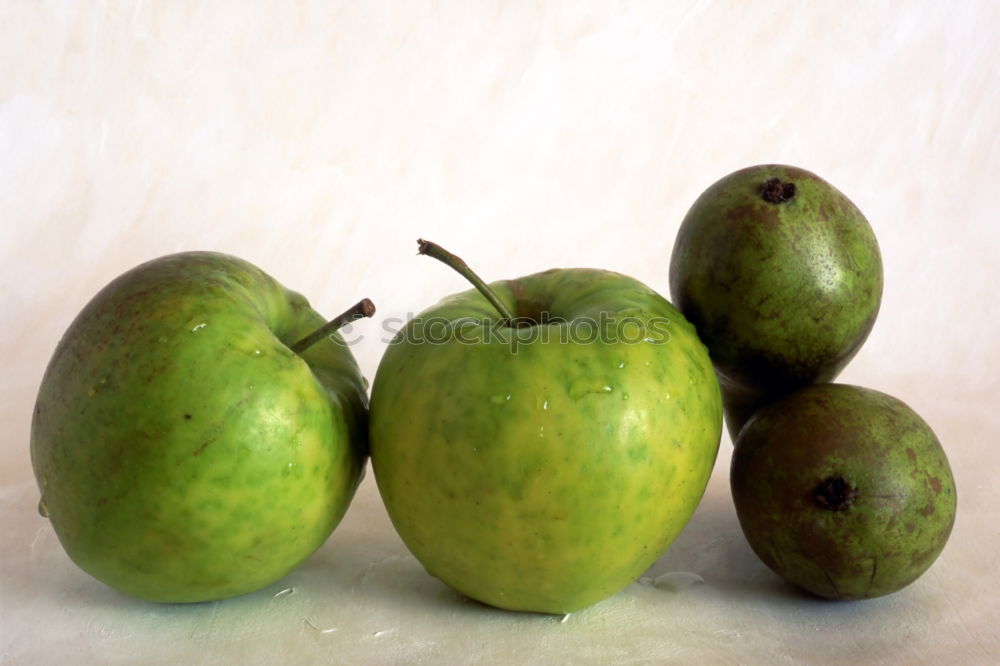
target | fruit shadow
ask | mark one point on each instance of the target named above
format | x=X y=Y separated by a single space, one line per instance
x=365 y=565
x=366 y=560
x=712 y=546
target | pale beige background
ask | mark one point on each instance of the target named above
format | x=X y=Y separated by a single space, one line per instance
x=320 y=139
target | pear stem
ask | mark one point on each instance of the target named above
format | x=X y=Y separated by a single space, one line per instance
x=456 y=263
x=363 y=308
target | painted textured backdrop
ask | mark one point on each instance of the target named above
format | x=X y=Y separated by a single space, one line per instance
x=319 y=140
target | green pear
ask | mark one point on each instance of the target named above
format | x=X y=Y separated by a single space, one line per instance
x=781 y=275
x=843 y=491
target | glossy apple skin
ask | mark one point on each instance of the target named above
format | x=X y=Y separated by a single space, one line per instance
x=547 y=476
x=783 y=294
x=183 y=452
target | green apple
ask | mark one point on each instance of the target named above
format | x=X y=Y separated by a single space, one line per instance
x=183 y=450
x=538 y=444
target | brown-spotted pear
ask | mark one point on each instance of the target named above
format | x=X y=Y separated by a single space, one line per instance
x=843 y=491
x=782 y=277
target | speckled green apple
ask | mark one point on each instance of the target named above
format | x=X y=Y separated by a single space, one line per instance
x=781 y=275
x=843 y=491
x=183 y=451
x=544 y=466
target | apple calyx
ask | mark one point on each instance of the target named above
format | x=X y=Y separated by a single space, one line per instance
x=458 y=265
x=363 y=308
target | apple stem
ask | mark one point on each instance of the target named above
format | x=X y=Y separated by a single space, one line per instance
x=363 y=308
x=446 y=257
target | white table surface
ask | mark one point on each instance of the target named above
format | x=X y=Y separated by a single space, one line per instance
x=319 y=140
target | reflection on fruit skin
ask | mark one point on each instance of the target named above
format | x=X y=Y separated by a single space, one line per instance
x=843 y=491
x=550 y=475
x=783 y=292
x=183 y=452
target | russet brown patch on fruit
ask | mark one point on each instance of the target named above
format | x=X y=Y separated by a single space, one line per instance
x=920 y=556
x=753 y=217
x=197 y=452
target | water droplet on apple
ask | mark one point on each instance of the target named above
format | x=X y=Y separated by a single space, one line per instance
x=43 y=508
x=256 y=352
x=500 y=398
x=583 y=386
x=624 y=396
x=621 y=364
x=541 y=431
x=675 y=581
x=667 y=395
x=199 y=326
